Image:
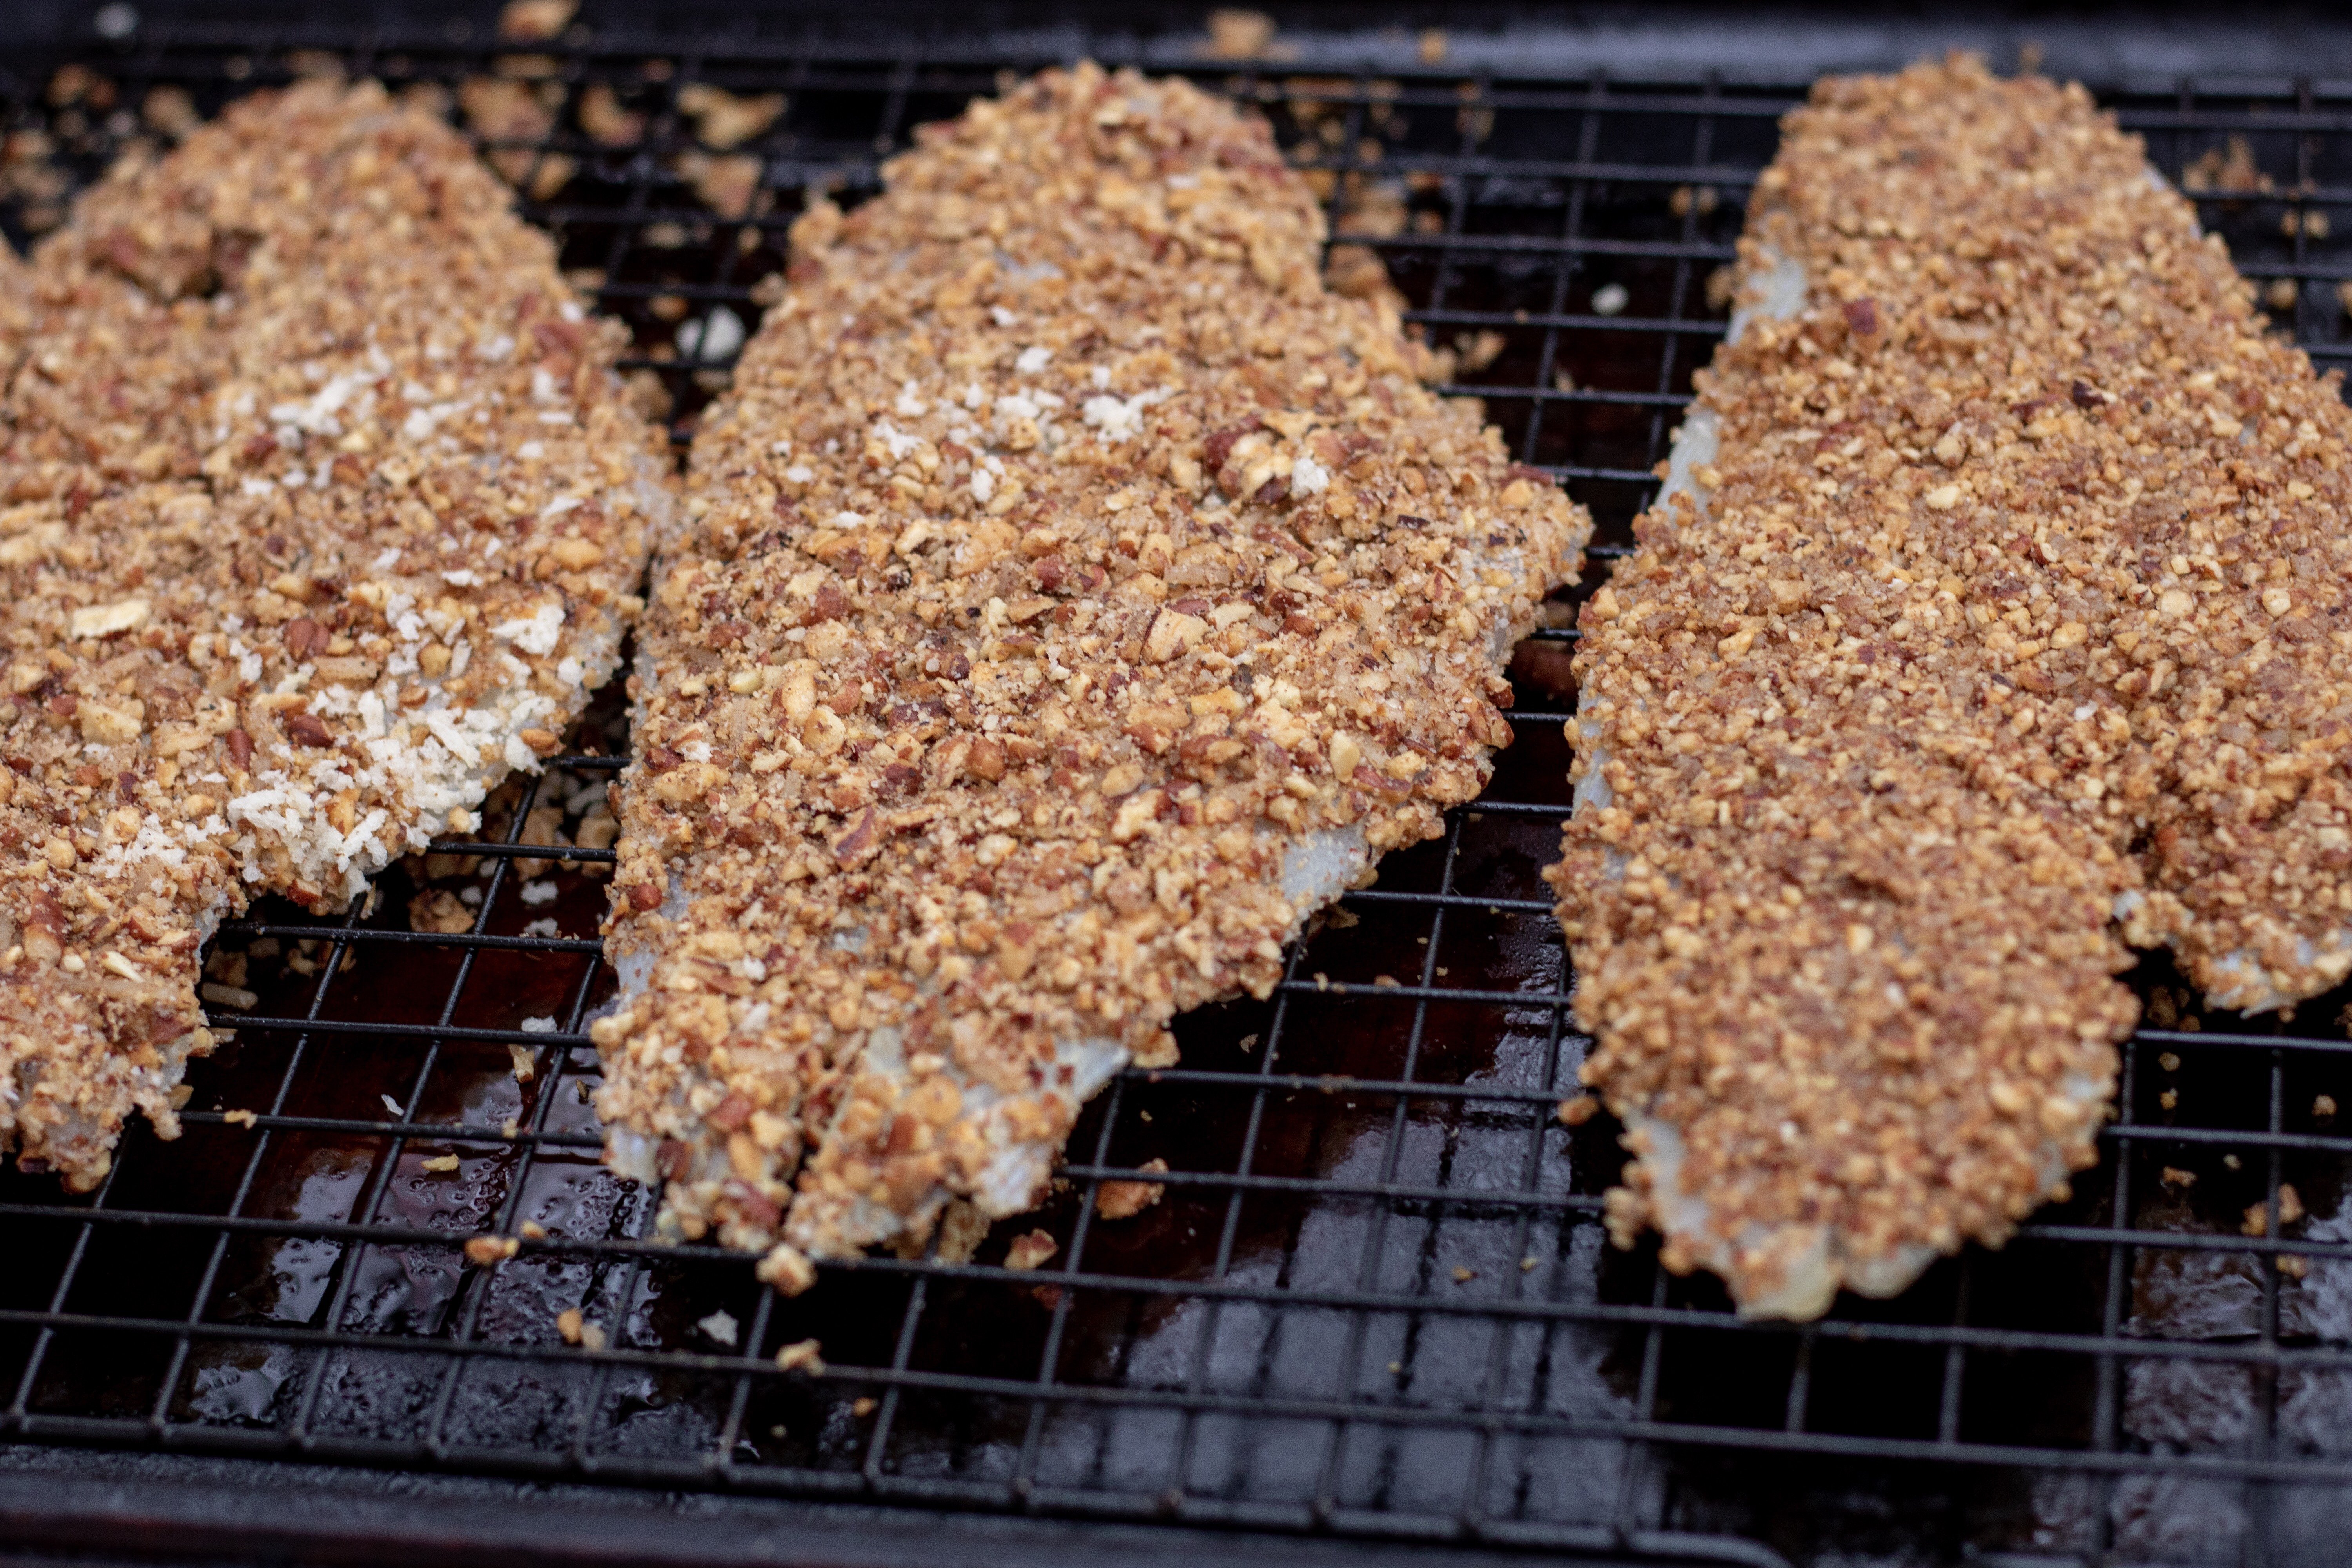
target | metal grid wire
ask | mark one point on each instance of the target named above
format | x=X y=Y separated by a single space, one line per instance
x=1375 y=1298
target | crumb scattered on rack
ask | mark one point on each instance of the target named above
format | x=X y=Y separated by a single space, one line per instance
x=1126 y=1199
x=1031 y=1250
x=486 y=1250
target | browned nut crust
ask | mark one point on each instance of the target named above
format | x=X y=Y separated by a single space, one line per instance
x=1074 y=596
x=300 y=419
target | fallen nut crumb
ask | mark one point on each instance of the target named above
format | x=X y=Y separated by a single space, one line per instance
x=438 y=911
x=1240 y=35
x=800 y=1355
x=535 y=21
x=486 y=1250
x=1031 y=1251
x=787 y=1269
x=1125 y=1199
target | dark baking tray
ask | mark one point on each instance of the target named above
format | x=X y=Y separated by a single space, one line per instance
x=1375 y=1314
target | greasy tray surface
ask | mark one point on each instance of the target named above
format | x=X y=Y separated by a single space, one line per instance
x=1379 y=1303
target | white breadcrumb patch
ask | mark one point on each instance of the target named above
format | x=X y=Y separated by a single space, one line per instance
x=536 y=635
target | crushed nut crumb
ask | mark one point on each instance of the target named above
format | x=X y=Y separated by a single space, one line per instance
x=1031 y=1250
x=486 y=1250
x=800 y=1355
x=1124 y=1199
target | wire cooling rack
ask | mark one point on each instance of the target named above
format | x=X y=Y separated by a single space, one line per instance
x=1374 y=1300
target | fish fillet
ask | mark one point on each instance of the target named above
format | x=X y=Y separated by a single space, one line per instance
x=322 y=511
x=1076 y=597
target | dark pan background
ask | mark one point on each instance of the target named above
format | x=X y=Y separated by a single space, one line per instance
x=1375 y=1314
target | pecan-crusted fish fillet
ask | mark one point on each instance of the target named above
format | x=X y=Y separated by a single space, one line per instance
x=1855 y=783
x=1076 y=597
x=2072 y=579
x=323 y=507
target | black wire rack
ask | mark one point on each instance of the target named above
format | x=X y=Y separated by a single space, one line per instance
x=1375 y=1302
